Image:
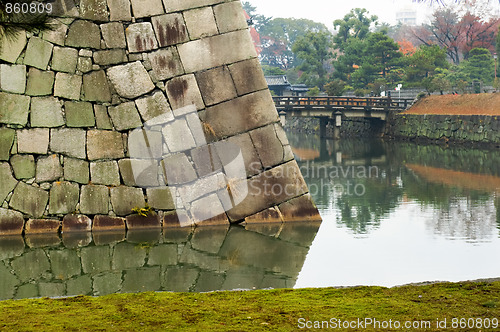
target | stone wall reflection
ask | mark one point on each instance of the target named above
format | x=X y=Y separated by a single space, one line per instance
x=181 y=260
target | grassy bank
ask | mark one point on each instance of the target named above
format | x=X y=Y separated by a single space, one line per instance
x=261 y=310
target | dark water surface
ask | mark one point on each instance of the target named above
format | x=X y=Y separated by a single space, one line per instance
x=393 y=213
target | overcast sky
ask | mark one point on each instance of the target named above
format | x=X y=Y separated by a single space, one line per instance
x=326 y=11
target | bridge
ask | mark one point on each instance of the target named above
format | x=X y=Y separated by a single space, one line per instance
x=327 y=108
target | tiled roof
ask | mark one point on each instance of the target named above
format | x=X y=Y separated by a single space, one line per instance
x=277 y=80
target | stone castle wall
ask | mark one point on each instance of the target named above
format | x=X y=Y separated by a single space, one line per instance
x=100 y=114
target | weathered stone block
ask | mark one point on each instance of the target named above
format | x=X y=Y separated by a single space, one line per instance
x=95 y=87
x=10 y=49
x=200 y=22
x=125 y=116
x=166 y=63
x=208 y=210
x=183 y=91
x=46 y=112
x=201 y=187
x=76 y=223
x=23 y=166
x=11 y=222
x=29 y=200
x=145 y=144
x=7 y=182
x=105 y=172
x=248 y=76
x=33 y=141
x=127 y=255
x=241 y=114
x=130 y=80
x=153 y=106
x=206 y=160
x=65 y=9
x=110 y=57
x=6 y=141
x=139 y=172
x=38 y=53
x=271 y=215
x=140 y=37
x=64 y=59
x=102 y=118
x=230 y=17
x=216 y=85
x=212 y=52
x=160 y=198
x=177 y=169
x=107 y=223
x=64 y=263
x=42 y=226
x=95 y=259
x=14 y=109
x=63 y=197
x=93 y=10
x=76 y=170
x=228 y=150
x=57 y=35
x=178 y=220
x=94 y=199
x=79 y=114
x=268 y=146
x=68 y=86
x=81 y=285
x=124 y=199
x=108 y=283
x=178 y=5
x=40 y=83
x=13 y=78
x=24 y=268
x=170 y=29
x=178 y=136
x=48 y=169
x=84 y=64
x=180 y=279
x=147 y=8
x=84 y=34
x=103 y=144
x=164 y=254
x=137 y=222
x=209 y=239
x=113 y=35
x=142 y=280
x=68 y=141
x=299 y=209
x=119 y=10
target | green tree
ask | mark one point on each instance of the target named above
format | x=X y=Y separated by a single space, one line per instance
x=480 y=65
x=270 y=70
x=356 y=24
x=423 y=63
x=258 y=20
x=314 y=50
x=335 y=87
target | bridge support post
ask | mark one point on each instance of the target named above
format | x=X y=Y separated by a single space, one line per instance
x=323 y=121
x=338 y=124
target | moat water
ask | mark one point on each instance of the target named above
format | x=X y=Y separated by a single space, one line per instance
x=393 y=213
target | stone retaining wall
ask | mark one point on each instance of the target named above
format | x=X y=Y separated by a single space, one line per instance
x=351 y=127
x=97 y=113
x=482 y=129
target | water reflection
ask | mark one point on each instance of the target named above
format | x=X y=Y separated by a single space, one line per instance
x=180 y=259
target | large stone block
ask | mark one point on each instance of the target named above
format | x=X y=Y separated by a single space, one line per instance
x=124 y=199
x=14 y=109
x=103 y=144
x=130 y=80
x=64 y=59
x=13 y=78
x=42 y=226
x=113 y=35
x=81 y=285
x=208 y=210
x=95 y=259
x=160 y=198
x=140 y=37
x=170 y=29
x=177 y=169
x=147 y=8
x=40 y=83
x=119 y=10
x=108 y=283
x=105 y=172
x=68 y=86
x=68 y=141
x=76 y=170
x=216 y=85
x=178 y=136
x=48 y=169
x=137 y=222
x=145 y=144
x=84 y=34
x=139 y=172
x=180 y=278
x=142 y=280
x=94 y=10
x=230 y=17
x=178 y=5
x=228 y=150
x=125 y=116
x=76 y=223
x=268 y=145
x=7 y=182
x=110 y=57
x=153 y=106
x=64 y=263
x=94 y=199
x=212 y=51
x=127 y=255
x=95 y=87
x=79 y=114
x=23 y=166
x=24 y=268
x=206 y=160
x=29 y=200
x=164 y=254
x=102 y=118
x=241 y=114
x=10 y=49
x=183 y=91
x=248 y=76
x=57 y=35
x=107 y=223
x=200 y=23
x=11 y=222
x=209 y=239
x=63 y=197
x=35 y=141
x=299 y=209
x=38 y=53
x=6 y=141
x=166 y=63
x=46 y=112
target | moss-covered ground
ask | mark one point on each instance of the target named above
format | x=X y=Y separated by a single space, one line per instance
x=281 y=310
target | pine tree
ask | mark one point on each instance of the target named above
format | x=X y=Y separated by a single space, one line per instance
x=11 y=23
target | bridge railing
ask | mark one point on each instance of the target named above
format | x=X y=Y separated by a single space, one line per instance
x=343 y=102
